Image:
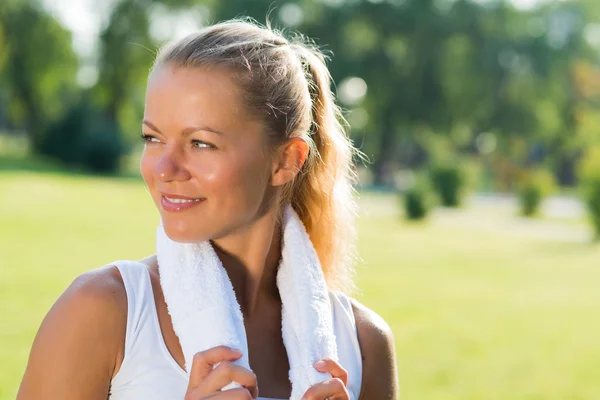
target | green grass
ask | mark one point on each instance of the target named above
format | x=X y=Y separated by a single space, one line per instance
x=476 y=314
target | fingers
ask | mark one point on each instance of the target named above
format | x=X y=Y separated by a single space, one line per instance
x=225 y=373
x=204 y=361
x=335 y=369
x=333 y=389
x=233 y=394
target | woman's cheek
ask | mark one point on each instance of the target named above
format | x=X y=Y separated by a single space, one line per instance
x=146 y=169
x=236 y=181
x=208 y=174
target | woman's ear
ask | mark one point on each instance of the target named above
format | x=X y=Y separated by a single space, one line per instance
x=290 y=158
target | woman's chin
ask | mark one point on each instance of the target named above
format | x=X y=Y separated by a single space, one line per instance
x=184 y=233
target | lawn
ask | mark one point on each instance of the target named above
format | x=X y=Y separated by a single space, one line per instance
x=476 y=313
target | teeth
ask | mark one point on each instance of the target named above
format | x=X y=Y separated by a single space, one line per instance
x=179 y=201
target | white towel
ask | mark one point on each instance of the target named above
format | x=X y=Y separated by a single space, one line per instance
x=205 y=311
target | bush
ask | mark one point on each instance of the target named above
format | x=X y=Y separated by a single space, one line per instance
x=85 y=139
x=63 y=138
x=102 y=148
x=589 y=179
x=448 y=181
x=415 y=202
x=534 y=186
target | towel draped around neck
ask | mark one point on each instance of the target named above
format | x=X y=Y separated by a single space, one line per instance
x=205 y=311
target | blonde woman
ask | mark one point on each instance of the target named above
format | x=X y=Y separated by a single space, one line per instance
x=239 y=123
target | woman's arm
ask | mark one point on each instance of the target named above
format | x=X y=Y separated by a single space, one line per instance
x=80 y=340
x=380 y=378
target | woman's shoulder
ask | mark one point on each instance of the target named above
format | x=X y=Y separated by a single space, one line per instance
x=103 y=284
x=100 y=291
x=97 y=298
x=376 y=343
x=104 y=288
x=87 y=322
x=368 y=321
x=371 y=323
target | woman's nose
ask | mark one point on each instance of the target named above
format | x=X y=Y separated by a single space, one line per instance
x=171 y=166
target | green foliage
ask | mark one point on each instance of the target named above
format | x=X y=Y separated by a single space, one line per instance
x=447 y=180
x=530 y=198
x=102 y=148
x=534 y=186
x=63 y=138
x=458 y=68
x=84 y=138
x=38 y=67
x=416 y=202
x=589 y=177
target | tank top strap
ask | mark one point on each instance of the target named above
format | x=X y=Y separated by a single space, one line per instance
x=349 y=354
x=140 y=329
x=136 y=281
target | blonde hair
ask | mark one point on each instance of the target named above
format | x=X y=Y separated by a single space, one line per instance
x=287 y=85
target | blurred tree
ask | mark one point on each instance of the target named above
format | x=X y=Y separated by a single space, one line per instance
x=486 y=77
x=37 y=66
x=454 y=68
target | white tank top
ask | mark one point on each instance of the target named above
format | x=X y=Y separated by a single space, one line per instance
x=149 y=372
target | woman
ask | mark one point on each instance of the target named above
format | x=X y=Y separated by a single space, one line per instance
x=238 y=123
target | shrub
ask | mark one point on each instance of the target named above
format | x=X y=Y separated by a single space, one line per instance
x=102 y=148
x=415 y=202
x=589 y=180
x=85 y=139
x=63 y=138
x=534 y=186
x=448 y=181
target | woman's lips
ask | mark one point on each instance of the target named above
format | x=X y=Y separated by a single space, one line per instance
x=178 y=203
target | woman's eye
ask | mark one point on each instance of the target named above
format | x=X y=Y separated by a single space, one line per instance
x=149 y=139
x=198 y=144
x=201 y=145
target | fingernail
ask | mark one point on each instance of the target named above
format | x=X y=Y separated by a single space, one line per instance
x=320 y=364
x=237 y=352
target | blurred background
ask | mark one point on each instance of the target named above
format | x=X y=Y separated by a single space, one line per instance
x=480 y=202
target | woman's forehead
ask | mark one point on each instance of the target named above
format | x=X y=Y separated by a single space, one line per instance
x=193 y=84
x=195 y=96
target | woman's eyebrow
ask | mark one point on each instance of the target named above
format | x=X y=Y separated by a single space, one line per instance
x=151 y=126
x=187 y=131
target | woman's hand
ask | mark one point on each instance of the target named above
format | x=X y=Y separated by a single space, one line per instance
x=332 y=389
x=206 y=382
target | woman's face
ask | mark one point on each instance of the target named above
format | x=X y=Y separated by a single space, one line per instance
x=205 y=160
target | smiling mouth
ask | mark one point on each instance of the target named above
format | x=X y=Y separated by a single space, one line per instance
x=176 y=203
x=181 y=201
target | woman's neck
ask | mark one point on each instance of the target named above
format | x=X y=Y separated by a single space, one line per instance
x=251 y=258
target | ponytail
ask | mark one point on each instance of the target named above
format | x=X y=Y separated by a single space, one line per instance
x=323 y=193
